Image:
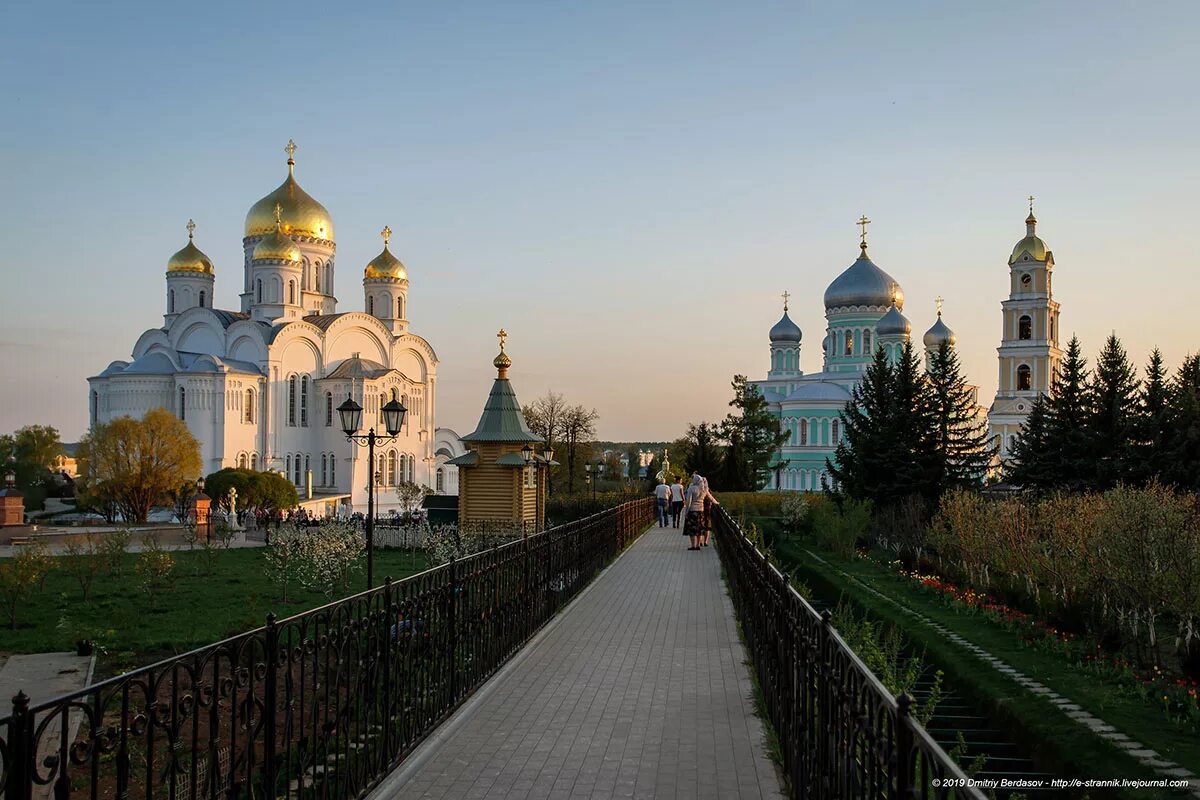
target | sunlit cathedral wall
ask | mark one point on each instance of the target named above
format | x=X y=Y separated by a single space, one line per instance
x=258 y=387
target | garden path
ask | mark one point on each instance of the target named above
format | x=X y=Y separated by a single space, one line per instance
x=638 y=688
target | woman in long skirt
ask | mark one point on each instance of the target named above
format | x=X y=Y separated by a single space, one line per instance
x=695 y=500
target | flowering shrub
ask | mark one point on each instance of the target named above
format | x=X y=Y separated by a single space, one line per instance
x=320 y=558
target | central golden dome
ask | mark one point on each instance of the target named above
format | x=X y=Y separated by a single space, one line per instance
x=190 y=258
x=301 y=214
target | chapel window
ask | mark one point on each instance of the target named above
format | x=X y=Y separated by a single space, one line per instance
x=1025 y=327
x=202 y=299
x=1024 y=378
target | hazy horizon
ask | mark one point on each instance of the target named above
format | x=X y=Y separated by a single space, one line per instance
x=626 y=189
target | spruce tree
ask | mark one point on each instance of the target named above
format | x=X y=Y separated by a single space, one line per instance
x=1183 y=448
x=862 y=458
x=1026 y=466
x=1113 y=392
x=963 y=451
x=1152 y=425
x=917 y=464
x=753 y=436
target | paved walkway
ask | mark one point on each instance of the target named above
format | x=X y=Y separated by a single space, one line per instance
x=638 y=689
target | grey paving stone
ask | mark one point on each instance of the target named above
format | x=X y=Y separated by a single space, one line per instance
x=640 y=689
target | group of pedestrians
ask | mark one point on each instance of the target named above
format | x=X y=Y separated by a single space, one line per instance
x=693 y=505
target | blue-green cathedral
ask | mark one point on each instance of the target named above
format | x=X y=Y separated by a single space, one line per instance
x=863 y=309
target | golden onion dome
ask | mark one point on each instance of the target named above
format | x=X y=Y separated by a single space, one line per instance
x=386 y=265
x=302 y=215
x=1031 y=245
x=278 y=246
x=190 y=258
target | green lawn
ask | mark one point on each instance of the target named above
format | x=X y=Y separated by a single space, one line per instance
x=1063 y=745
x=198 y=609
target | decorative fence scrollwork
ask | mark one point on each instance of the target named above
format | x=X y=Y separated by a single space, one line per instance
x=320 y=705
x=841 y=732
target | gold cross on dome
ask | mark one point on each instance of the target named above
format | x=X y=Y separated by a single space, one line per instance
x=502 y=335
x=386 y=233
x=785 y=296
x=291 y=149
x=939 y=301
x=863 y=222
x=191 y=226
x=1030 y=204
x=278 y=213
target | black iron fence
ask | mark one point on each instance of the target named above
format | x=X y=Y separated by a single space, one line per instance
x=841 y=732
x=319 y=705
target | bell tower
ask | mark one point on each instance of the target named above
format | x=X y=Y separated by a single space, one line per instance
x=1029 y=354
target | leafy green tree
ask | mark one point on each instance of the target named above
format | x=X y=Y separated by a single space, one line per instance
x=963 y=449
x=1113 y=392
x=265 y=491
x=753 y=435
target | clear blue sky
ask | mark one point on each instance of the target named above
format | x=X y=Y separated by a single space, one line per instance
x=626 y=187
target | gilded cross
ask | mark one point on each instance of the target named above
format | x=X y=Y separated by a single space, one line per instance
x=386 y=233
x=191 y=226
x=1030 y=204
x=938 y=300
x=502 y=335
x=291 y=149
x=863 y=222
x=785 y=296
x=278 y=214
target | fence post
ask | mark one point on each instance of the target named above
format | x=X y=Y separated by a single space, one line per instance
x=824 y=716
x=20 y=750
x=390 y=618
x=902 y=747
x=453 y=614
x=270 y=706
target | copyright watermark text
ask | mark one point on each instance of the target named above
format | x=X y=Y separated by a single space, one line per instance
x=1059 y=783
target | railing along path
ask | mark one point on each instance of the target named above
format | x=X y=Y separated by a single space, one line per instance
x=319 y=705
x=841 y=732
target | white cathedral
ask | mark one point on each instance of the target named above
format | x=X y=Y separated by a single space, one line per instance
x=258 y=387
x=864 y=310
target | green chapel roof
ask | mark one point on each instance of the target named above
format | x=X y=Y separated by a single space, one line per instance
x=502 y=420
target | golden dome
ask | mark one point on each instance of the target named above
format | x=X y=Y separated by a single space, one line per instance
x=386 y=265
x=278 y=246
x=1033 y=245
x=302 y=215
x=190 y=258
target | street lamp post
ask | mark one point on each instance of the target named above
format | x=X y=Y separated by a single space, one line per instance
x=350 y=413
x=546 y=456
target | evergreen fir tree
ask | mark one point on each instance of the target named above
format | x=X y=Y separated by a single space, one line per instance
x=963 y=449
x=753 y=437
x=1152 y=425
x=917 y=463
x=1183 y=447
x=1025 y=466
x=861 y=459
x=1113 y=392
x=704 y=454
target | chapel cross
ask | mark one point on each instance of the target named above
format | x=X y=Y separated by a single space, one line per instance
x=863 y=222
x=191 y=226
x=785 y=295
x=386 y=233
x=502 y=335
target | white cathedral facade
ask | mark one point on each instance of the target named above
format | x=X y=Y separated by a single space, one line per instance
x=258 y=387
x=864 y=310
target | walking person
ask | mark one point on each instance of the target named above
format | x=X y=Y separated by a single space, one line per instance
x=709 y=500
x=676 y=501
x=662 y=494
x=696 y=501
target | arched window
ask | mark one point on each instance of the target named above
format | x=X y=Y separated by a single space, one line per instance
x=329 y=409
x=332 y=470
x=248 y=411
x=304 y=401
x=171 y=302
x=241 y=461
x=866 y=346
x=1025 y=327
x=803 y=431
x=371 y=304
x=391 y=468
x=399 y=308
x=254 y=461
x=95 y=407
x=306 y=469
x=296 y=467
x=202 y=298
x=380 y=470
x=407 y=417
x=1051 y=327
x=292 y=400
x=836 y=432
x=324 y=471
x=287 y=469
x=317 y=278
x=1024 y=377
x=849 y=343
x=412 y=469
x=258 y=290
x=441 y=480
x=182 y=403
x=292 y=292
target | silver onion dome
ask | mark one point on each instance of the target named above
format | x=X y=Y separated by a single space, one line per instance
x=863 y=284
x=893 y=323
x=939 y=333
x=785 y=330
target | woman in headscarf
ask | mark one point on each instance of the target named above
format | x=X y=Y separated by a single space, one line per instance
x=696 y=503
